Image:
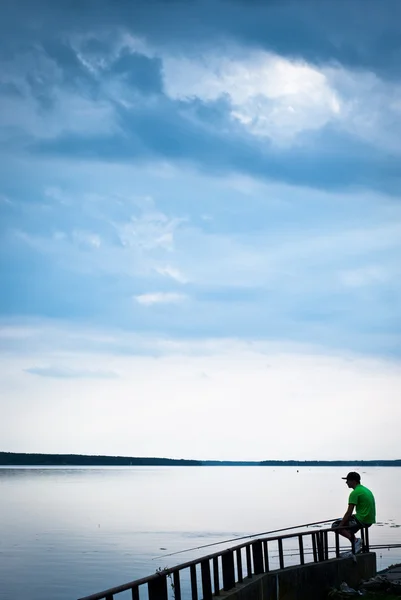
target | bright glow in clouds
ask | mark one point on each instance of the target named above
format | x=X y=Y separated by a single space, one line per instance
x=269 y=95
x=281 y=98
x=216 y=398
x=159 y=298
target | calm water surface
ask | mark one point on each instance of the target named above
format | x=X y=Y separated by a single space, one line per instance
x=69 y=532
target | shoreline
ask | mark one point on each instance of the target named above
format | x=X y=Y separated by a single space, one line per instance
x=40 y=460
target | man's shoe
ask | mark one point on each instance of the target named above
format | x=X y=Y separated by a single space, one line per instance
x=348 y=555
x=358 y=545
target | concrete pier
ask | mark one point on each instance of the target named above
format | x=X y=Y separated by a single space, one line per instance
x=305 y=582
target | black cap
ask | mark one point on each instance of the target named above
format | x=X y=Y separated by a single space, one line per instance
x=352 y=476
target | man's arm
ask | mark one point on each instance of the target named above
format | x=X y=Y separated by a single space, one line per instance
x=347 y=515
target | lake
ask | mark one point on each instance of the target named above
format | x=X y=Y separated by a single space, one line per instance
x=70 y=532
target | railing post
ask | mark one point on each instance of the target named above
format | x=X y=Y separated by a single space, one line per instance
x=135 y=593
x=301 y=549
x=194 y=583
x=177 y=585
x=367 y=548
x=248 y=561
x=266 y=554
x=239 y=565
x=337 y=536
x=228 y=570
x=314 y=546
x=257 y=553
x=157 y=588
x=206 y=580
x=326 y=545
x=280 y=553
x=319 y=543
x=216 y=577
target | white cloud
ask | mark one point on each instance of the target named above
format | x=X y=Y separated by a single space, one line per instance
x=128 y=234
x=371 y=275
x=159 y=298
x=96 y=62
x=12 y=332
x=172 y=272
x=250 y=386
x=281 y=98
x=87 y=238
x=270 y=95
x=363 y=96
x=149 y=231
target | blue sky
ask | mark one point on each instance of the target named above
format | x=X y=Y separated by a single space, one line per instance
x=198 y=181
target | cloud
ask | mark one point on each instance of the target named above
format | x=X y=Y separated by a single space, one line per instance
x=280 y=99
x=274 y=260
x=170 y=400
x=66 y=373
x=85 y=238
x=318 y=32
x=368 y=276
x=330 y=158
x=138 y=71
x=12 y=332
x=105 y=234
x=150 y=231
x=50 y=108
x=172 y=272
x=269 y=95
x=229 y=108
x=160 y=298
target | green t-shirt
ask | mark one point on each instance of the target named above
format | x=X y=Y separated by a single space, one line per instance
x=364 y=503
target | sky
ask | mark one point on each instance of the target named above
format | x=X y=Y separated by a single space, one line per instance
x=201 y=228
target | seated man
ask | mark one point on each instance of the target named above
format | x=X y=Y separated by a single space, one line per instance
x=365 y=515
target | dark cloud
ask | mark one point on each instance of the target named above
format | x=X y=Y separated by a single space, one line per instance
x=10 y=89
x=65 y=373
x=136 y=70
x=359 y=34
x=72 y=70
x=139 y=71
x=167 y=129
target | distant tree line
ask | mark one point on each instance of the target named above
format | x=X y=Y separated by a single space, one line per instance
x=14 y=458
x=23 y=459
x=331 y=463
x=230 y=463
x=303 y=463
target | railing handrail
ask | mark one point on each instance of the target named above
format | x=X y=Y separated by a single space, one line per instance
x=170 y=571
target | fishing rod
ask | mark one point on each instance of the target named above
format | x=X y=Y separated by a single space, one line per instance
x=384 y=546
x=236 y=539
x=295 y=551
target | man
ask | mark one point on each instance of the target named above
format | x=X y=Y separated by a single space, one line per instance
x=363 y=501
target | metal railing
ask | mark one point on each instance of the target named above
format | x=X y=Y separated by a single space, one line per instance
x=211 y=574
